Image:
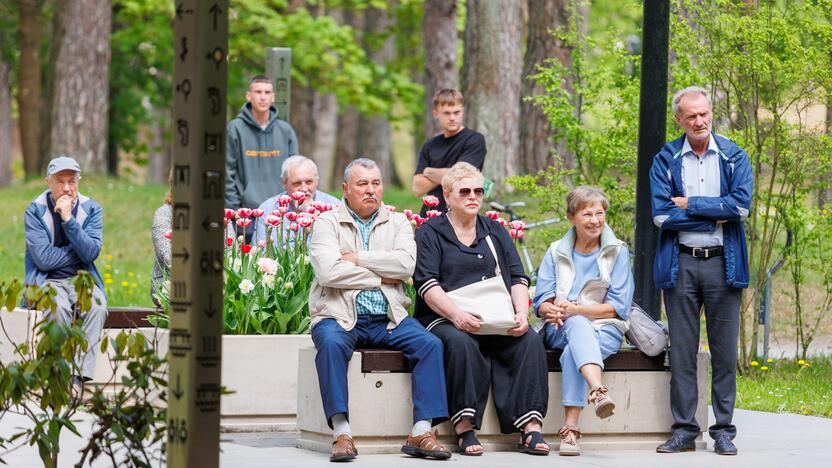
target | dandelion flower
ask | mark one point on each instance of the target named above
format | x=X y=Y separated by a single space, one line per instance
x=764 y=368
x=770 y=360
x=246 y=286
x=755 y=363
x=801 y=362
x=125 y=284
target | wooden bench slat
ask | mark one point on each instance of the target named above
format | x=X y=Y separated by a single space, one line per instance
x=384 y=360
x=129 y=317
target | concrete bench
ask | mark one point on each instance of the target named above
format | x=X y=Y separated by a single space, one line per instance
x=381 y=405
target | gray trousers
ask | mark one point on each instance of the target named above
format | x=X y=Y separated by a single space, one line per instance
x=701 y=284
x=92 y=321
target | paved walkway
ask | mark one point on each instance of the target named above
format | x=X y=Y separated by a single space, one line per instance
x=764 y=440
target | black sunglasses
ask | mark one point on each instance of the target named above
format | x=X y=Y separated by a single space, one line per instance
x=464 y=192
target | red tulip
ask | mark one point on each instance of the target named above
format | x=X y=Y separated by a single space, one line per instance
x=430 y=201
x=169 y=235
x=246 y=248
x=229 y=241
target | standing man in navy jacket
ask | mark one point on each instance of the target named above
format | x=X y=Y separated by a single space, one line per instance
x=701 y=186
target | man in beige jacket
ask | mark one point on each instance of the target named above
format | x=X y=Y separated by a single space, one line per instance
x=362 y=253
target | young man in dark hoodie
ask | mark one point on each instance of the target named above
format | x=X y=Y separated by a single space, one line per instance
x=258 y=143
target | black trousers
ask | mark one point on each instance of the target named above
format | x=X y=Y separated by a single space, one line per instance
x=701 y=284
x=513 y=367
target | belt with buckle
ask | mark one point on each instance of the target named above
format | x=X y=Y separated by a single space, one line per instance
x=701 y=252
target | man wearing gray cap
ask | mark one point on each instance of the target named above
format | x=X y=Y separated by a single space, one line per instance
x=63 y=235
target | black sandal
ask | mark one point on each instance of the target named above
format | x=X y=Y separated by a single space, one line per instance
x=528 y=443
x=468 y=439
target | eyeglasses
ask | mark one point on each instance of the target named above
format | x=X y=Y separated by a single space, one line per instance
x=465 y=192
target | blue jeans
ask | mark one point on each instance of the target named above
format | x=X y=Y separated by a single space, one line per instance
x=582 y=344
x=420 y=347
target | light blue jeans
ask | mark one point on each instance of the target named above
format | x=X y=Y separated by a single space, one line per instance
x=581 y=344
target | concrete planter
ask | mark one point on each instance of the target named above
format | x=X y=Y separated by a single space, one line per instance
x=262 y=370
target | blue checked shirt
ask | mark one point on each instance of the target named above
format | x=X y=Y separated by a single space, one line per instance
x=368 y=301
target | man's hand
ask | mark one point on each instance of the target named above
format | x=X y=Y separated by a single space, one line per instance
x=522 y=327
x=680 y=202
x=721 y=221
x=63 y=206
x=466 y=322
x=350 y=257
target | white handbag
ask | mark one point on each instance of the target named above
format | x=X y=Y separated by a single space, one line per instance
x=488 y=300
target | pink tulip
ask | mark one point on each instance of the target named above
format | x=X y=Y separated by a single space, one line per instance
x=311 y=210
x=492 y=214
x=305 y=221
x=273 y=220
x=244 y=212
x=257 y=212
x=283 y=210
x=390 y=208
x=298 y=197
x=433 y=214
x=284 y=200
x=293 y=227
x=430 y=201
x=408 y=214
x=502 y=222
x=517 y=225
x=292 y=216
x=520 y=234
x=244 y=222
x=169 y=235
x=261 y=244
x=230 y=214
x=513 y=233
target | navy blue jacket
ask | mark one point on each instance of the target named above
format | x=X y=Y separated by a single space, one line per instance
x=733 y=206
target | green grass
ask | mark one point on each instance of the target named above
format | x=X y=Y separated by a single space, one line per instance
x=127 y=258
x=787 y=386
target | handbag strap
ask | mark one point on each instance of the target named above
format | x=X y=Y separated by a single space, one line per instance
x=494 y=253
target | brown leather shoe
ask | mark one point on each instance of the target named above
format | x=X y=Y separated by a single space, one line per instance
x=425 y=445
x=343 y=449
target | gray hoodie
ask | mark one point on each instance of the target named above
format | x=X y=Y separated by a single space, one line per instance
x=254 y=157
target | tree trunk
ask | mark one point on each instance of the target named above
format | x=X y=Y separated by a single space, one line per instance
x=80 y=93
x=29 y=85
x=374 y=131
x=536 y=134
x=440 y=37
x=491 y=80
x=825 y=195
x=159 y=155
x=5 y=125
x=345 y=147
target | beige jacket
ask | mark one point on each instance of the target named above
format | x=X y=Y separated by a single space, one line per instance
x=392 y=255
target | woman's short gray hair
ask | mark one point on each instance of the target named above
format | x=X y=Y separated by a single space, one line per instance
x=294 y=161
x=460 y=171
x=674 y=104
x=584 y=196
x=363 y=162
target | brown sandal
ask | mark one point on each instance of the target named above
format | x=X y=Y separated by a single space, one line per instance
x=604 y=406
x=425 y=445
x=569 y=436
x=343 y=449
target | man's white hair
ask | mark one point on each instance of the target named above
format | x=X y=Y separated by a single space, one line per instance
x=674 y=104
x=294 y=161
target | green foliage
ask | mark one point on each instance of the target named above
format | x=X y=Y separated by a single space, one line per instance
x=596 y=122
x=767 y=64
x=800 y=386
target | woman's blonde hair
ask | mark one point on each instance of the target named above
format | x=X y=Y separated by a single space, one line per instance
x=584 y=196
x=459 y=171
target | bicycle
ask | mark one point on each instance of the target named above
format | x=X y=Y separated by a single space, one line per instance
x=525 y=257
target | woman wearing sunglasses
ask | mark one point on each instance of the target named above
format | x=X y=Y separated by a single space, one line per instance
x=457 y=250
x=584 y=290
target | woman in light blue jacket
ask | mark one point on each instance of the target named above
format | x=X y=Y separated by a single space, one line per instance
x=584 y=290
